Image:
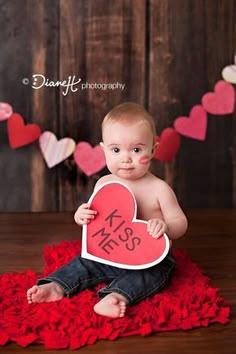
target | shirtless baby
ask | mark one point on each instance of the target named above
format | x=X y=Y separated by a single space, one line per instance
x=128 y=133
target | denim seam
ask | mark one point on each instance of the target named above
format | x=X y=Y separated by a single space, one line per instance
x=58 y=281
x=157 y=288
x=154 y=290
x=160 y=286
x=108 y=290
x=72 y=290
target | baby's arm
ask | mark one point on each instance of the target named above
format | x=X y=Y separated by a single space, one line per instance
x=174 y=221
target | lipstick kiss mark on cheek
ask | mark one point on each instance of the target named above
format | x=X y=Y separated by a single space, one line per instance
x=145 y=159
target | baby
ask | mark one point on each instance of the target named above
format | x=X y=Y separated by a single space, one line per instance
x=128 y=134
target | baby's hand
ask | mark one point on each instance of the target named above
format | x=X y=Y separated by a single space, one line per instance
x=156 y=227
x=84 y=214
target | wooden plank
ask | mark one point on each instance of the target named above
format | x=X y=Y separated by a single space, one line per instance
x=176 y=52
x=220 y=44
x=101 y=42
x=233 y=157
x=27 y=49
x=45 y=111
x=14 y=164
x=187 y=54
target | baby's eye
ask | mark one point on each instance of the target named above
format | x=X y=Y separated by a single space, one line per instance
x=116 y=150
x=136 y=149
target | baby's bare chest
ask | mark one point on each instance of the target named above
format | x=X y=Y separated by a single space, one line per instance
x=148 y=206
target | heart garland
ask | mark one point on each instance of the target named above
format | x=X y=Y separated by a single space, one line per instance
x=91 y=159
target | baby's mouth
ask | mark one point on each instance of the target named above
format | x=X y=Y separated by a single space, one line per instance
x=127 y=168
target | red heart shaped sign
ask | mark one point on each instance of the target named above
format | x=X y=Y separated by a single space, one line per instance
x=21 y=134
x=116 y=237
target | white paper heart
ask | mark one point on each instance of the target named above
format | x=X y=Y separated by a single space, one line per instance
x=55 y=151
x=229 y=74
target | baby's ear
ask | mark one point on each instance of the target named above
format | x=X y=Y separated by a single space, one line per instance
x=155 y=147
x=102 y=145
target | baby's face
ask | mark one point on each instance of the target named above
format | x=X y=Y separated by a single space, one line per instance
x=128 y=148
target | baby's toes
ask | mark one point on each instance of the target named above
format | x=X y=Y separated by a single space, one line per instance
x=32 y=290
x=122 y=309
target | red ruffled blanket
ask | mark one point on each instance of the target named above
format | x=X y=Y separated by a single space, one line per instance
x=189 y=301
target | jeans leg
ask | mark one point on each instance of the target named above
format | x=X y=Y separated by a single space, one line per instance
x=81 y=273
x=135 y=285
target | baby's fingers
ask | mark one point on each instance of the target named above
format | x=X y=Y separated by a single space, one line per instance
x=151 y=226
x=87 y=216
x=155 y=228
x=84 y=214
x=156 y=231
x=89 y=213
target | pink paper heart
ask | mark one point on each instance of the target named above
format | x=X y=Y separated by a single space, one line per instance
x=221 y=101
x=5 y=111
x=55 y=151
x=116 y=237
x=193 y=126
x=89 y=159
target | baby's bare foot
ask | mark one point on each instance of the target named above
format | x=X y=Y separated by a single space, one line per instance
x=112 y=305
x=45 y=293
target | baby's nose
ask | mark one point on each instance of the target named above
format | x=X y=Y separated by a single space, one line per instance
x=126 y=158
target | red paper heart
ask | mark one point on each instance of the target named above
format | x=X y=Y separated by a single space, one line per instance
x=115 y=236
x=169 y=143
x=194 y=126
x=21 y=134
x=221 y=101
x=89 y=159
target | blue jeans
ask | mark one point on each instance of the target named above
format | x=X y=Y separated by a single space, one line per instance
x=135 y=285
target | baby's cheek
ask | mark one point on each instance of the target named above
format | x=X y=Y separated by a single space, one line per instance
x=145 y=159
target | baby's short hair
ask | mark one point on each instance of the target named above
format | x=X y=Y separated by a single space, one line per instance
x=129 y=112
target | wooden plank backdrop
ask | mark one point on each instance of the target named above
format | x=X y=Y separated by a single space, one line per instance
x=168 y=53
